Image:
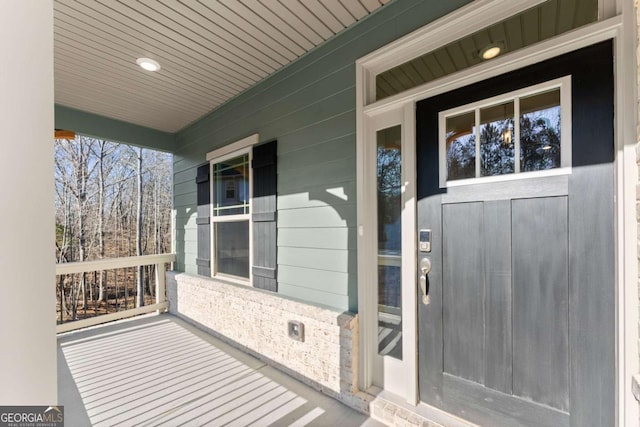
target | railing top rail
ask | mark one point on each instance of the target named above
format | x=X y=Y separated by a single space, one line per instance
x=113 y=263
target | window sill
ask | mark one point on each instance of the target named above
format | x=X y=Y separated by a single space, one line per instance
x=234 y=280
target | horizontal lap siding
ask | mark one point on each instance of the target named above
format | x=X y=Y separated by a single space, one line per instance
x=309 y=107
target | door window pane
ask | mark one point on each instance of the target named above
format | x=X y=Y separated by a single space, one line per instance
x=231 y=186
x=540 y=131
x=515 y=133
x=461 y=146
x=496 y=140
x=232 y=248
x=389 y=184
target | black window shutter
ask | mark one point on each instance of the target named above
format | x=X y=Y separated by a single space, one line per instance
x=264 y=216
x=203 y=222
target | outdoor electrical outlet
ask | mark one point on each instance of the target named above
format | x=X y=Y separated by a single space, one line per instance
x=296 y=330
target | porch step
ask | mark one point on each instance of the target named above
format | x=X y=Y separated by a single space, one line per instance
x=390 y=410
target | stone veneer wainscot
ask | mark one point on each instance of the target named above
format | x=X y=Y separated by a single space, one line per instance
x=256 y=321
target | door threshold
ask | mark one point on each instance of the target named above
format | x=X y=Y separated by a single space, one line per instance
x=393 y=410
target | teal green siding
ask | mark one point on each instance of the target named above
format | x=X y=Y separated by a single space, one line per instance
x=309 y=107
x=112 y=130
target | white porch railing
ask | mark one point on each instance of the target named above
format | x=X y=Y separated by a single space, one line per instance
x=116 y=263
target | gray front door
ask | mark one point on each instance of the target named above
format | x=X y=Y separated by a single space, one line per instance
x=519 y=330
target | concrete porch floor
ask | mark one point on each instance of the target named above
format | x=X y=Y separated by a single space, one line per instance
x=161 y=371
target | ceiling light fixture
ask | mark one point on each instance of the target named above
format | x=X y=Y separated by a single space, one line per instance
x=490 y=51
x=148 y=64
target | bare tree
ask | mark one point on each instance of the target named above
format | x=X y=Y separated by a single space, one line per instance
x=111 y=200
x=74 y=165
x=139 y=279
x=102 y=152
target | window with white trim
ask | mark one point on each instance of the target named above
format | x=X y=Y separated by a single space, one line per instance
x=237 y=220
x=516 y=135
x=230 y=215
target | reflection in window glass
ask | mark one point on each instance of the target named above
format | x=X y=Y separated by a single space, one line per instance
x=497 y=140
x=389 y=183
x=231 y=186
x=514 y=133
x=540 y=131
x=232 y=248
x=461 y=146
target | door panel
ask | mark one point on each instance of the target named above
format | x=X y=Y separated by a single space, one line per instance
x=520 y=328
x=463 y=273
x=541 y=301
x=490 y=408
x=498 y=321
x=591 y=272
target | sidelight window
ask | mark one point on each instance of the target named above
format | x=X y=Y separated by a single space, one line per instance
x=520 y=134
x=389 y=204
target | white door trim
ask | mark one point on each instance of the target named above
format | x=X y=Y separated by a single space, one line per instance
x=409 y=255
x=626 y=109
x=466 y=20
x=565 y=43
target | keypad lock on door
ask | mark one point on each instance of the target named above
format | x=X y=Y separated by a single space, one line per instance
x=424 y=240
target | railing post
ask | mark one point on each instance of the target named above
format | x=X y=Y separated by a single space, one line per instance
x=160 y=284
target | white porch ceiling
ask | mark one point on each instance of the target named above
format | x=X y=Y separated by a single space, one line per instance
x=209 y=51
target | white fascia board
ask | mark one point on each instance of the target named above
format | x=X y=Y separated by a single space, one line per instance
x=233 y=147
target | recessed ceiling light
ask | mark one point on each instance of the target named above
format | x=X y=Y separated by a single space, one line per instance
x=490 y=52
x=148 y=64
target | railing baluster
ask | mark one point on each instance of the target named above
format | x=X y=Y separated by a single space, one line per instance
x=115 y=273
x=95 y=293
x=126 y=288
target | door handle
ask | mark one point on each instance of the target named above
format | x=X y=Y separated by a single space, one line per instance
x=425 y=268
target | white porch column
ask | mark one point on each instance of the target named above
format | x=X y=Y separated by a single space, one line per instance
x=27 y=282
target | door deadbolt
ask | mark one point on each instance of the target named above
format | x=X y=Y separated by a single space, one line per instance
x=425 y=265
